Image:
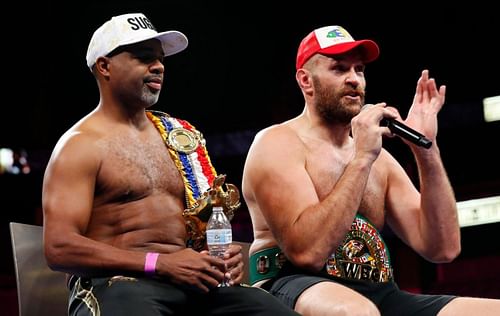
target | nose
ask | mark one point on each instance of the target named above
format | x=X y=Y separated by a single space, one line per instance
x=157 y=67
x=352 y=78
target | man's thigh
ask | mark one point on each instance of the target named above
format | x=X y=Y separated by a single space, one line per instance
x=330 y=298
x=312 y=295
x=471 y=306
x=121 y=295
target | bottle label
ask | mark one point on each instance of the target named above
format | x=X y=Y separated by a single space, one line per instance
x=219 y=236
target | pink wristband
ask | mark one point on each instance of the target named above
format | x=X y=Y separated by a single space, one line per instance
x=150 y=264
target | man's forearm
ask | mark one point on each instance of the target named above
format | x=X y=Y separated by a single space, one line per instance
x=440 y=219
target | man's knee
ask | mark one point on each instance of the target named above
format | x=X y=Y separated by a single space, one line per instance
x=360 y=308
x=328 y=298
x=336 y=308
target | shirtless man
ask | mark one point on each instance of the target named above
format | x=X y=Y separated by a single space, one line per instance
x=320 y=187
x=114 y=194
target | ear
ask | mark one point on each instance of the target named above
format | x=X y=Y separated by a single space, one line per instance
x=303 y=77
x=102 y=65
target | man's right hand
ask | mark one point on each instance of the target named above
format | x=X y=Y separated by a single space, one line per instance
x=190 y=268
x=367 y=132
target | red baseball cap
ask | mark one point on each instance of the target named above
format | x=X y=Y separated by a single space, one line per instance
x=333 y=40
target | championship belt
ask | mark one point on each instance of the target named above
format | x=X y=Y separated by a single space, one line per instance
x=362 y=255
x=203 y=187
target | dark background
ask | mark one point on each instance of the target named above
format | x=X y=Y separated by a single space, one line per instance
x=237 y=76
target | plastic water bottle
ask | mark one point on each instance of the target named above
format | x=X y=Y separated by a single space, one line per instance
x=219 y=234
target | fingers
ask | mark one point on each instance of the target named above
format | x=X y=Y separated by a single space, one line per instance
x=433 y=97
x=419 y=91
x=368 y=105
x=210 y=274
x=426 y=88
x=192 y=269
x=381 y=110
x=201 y=279
x=442 y=92
x=213 y=274
x=233 y=250
x=217 y=263
x=235 y=274
x=206 y=280
x=391 y=112
x=428 y=84
x=233 y=256
x=234 y=264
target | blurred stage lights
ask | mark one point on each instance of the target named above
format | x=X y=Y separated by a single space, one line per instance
x=14 y=161
x=491 y=109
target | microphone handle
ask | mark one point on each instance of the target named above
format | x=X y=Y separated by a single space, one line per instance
x=406 y=132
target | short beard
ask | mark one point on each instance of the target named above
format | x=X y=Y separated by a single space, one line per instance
x=330 y=105
x=149 y=97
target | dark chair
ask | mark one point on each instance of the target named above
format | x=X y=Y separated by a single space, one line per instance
x=40 y=291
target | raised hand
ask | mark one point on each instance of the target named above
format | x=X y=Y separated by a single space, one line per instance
x=427 y=103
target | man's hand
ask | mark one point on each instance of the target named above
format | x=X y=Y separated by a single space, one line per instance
x=190 y=268
x=427 y=103
x=234 y=264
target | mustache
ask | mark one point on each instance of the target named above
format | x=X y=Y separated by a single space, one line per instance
x=153 y=78
x=353 y=92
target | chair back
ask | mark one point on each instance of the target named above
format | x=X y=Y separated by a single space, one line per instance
x=40 y=290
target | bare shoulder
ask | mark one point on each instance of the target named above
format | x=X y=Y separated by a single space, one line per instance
x=277 y=135
x=78 y=143
x=273 y=150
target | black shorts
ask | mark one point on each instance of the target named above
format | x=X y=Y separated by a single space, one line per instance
x=387 y=296
x=130 y=296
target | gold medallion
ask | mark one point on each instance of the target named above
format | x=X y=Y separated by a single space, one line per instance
x=182 y=140
x=362 y=254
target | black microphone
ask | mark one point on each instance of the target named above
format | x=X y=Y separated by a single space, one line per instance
x=406 y=132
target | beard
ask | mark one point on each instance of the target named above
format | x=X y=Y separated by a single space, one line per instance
x=148 y=97
x=331 y=105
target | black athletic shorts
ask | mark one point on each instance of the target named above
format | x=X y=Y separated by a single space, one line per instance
x=387 y=296
x=131 y=296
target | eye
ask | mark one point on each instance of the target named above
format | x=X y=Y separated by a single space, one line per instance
x=360 y=68
x=148 y=57
x=340 y=67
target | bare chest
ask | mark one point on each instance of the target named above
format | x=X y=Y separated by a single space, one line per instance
x=133 y=168
x=327 y=169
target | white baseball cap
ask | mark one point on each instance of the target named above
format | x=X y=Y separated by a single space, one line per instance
x=129 y=29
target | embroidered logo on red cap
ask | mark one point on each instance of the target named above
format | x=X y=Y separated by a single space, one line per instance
x=332 y=40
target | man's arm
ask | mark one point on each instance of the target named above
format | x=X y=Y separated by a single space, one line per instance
x=68 y=197
x=430 y=226
x=277 y=182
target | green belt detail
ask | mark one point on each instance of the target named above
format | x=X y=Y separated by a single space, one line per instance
x=271 y=260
